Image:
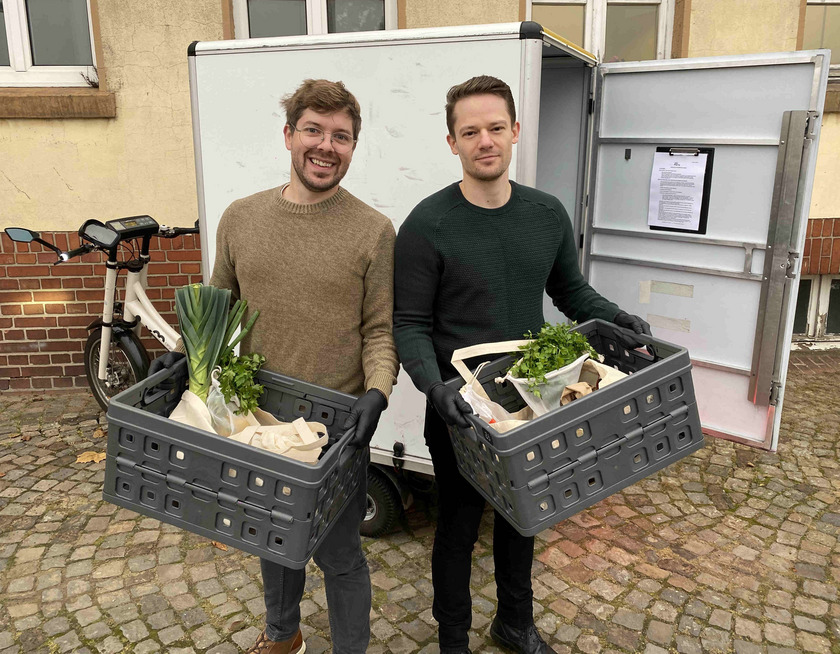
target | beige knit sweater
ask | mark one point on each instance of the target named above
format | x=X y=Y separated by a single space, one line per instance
x=321 y=276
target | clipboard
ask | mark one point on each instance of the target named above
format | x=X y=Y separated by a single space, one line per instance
x=689 y=151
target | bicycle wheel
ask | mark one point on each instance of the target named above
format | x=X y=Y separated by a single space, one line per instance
x=127 y=364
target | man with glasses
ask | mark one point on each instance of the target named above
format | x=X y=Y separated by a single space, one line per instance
x=318 y=264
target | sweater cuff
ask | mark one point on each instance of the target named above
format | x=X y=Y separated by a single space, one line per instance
x=381 y=381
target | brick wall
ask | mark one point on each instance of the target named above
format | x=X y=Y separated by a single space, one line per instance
x=822 y=247
x=45 y=309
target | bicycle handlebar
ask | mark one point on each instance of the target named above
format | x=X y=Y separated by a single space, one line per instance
x=64 y=256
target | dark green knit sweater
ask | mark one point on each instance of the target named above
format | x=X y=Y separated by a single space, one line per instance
x=466 y=275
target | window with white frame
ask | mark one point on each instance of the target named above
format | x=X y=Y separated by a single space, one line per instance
x=46 y=43
x=263 y=18
x=822 y=30
x=613 y=30
x=817 y=313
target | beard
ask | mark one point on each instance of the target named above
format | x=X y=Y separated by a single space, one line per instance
x=318 y=182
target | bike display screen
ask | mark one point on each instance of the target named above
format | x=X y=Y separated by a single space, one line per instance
x=134 y=226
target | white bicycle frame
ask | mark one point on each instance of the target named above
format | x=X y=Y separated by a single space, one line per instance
x=135 y=305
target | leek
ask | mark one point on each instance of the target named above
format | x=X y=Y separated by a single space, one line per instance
x=203 y=317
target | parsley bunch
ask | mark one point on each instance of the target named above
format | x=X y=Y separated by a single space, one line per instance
x=553 y=347
x=237 y=378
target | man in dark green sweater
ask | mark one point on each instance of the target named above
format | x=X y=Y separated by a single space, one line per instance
x=471 y=264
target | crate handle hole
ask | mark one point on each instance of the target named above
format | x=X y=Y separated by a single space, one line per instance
x=252 y=531
x=126 y=486
x=226 y=522
x=681 y=436
x=660 y=446
x=672 y=388
x=543 y=506
x=155 y=447
x=179 y=454
x=612 y=347
x=287 y=491
x=579 y=433
x=325 y=415
x=129 y=438
x=530 y=456
x=627 y=410
x=301 y=408
x=258 y=481
x=232 y=473
x=649 y=399
x=555 y=444
x=176 y=504
x=568 y=493
x=278 y=540
x=637 y=458
x=592 y=481
x=150 y=495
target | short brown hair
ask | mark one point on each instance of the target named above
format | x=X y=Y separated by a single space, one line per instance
x=325 y=97
x=478 y=86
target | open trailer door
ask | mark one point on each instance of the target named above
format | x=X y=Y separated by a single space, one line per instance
x=700 y=183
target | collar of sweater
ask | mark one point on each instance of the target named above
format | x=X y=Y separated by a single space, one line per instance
x=318 y=207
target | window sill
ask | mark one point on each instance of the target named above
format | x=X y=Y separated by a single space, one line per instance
x=58 y=102
x=832 y=96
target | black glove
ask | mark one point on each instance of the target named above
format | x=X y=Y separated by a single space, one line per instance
x=634 y=323
x=174 y=385
x=449 y=404
x=364 y=416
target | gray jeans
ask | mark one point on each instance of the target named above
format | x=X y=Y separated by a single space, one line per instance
x=347 y=581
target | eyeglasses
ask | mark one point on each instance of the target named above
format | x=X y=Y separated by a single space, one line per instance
x=312 y=137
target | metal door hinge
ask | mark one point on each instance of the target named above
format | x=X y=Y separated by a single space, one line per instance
x=790 y=273
x=775 y=389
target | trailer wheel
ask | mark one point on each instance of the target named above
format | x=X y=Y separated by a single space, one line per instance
x=383 y=506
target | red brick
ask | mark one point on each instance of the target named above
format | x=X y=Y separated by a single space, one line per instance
x=42 y=382
x=75 y=321
x=50 y=283
x=807 y=251
x=9 y=372
x=78 y=333
x=3 y=271
x=825 y=266
x=4 y=384
x=71 y=282
x=19 y=359
x=163 y=268
x=30 y=283
x=39 y=359
x=9 y=284
x=155 y=293
x=7 y=259
x=156 y=255
x=55 y=309
x=89 y=295
x=77 y=308
x=63 y=346
x=77 y=357
x=16 y=296
x=13 y=334
x=33 y=309
x=11 y=309
x=20 y=383
x=815 y=227
x=836 y=231
x=94 y=282
x=63 y=382
x=60 y=240
x=191 y=268
x=91 y=257
x=26 y=259
x=157 y=281
x=825 y=247
x=36 y=334
x=74 y=370
x=80 y=382
x=45 y=321
x=18 y=346
x=53 y=296
x=29 y=271
x=183 y=255
x=72 y=270
x=57 y=333
x=835 y=257
x=58 y=358
x=827 y=226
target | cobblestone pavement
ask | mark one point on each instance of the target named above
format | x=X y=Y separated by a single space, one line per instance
x=732 y=549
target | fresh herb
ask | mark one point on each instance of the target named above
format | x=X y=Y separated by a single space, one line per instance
x=554 y=347
x=237 y=378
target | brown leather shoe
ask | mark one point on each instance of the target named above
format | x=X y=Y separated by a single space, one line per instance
x=294 y=645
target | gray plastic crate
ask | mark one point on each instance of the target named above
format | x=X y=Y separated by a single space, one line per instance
x=250 y=499
x=558 y=464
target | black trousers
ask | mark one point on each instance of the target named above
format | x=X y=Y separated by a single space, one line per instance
x=460 y=509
